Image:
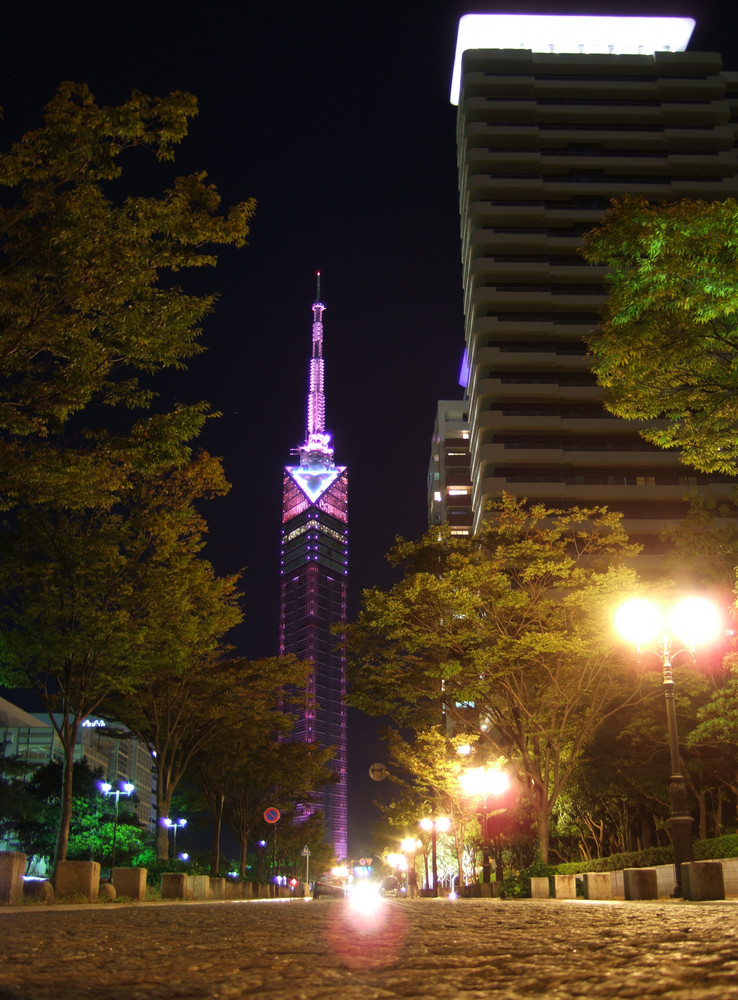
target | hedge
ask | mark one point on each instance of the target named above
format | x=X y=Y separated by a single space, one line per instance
x=518 y=885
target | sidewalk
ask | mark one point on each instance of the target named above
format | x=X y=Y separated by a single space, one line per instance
x=315 y=949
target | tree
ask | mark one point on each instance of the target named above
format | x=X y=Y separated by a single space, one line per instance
x=511 y=632
x=29 y=804
x=667 y=346
x=278 y=774
x=99 y=486
x=247 y=743
x=88 y=297
x=93 y=598
x=434 y=765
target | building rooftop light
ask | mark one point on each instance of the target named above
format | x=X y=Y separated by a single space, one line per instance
x=585 y=33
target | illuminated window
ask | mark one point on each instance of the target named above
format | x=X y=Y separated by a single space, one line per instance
x=458 y=493
x=437 y=497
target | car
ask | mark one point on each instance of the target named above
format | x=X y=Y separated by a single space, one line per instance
x=390 y=884
x=331 y=885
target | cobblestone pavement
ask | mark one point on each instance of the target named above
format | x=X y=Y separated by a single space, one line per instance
x=311 y=949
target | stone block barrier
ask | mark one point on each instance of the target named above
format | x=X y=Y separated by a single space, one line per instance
x=539 y=888
x=130 y=882
x=12 y=868
x=597 y=885
x=106 y=893
x=565 y=886
x=640 y=883
x=703 y=880
x=198 y=887
x=217 y=887
x=173 y=885
x=730 y=876
x=77 y=878
x=38 y=890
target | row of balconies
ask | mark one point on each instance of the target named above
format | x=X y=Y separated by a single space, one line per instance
x=635 y=463
x=528 y=137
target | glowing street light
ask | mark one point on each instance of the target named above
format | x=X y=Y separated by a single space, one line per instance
x=442 y=824
x=693 y=621
x=483 y=783
x=174 y=825
x=125 y=788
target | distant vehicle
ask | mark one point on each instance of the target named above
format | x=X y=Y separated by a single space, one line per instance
x=390 y=885
x=331 y=885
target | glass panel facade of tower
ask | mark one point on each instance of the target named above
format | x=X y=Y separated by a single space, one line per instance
x=314 y=571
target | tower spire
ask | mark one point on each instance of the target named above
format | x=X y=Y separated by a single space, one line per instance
x=316 y=390
x=317 y=449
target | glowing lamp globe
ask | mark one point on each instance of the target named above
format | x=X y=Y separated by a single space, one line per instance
x=695 y=620
x=638 y=621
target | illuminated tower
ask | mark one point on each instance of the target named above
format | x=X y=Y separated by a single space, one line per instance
x=314 y=571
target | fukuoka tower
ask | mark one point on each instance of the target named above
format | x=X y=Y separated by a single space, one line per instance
x=314 y=570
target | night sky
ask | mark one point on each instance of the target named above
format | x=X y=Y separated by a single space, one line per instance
x=336 y=118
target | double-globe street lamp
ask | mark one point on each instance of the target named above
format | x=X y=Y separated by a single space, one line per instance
x=438 y=824
x=124 y=788
x=174 y=825
x=484 y=783
x=694 y=621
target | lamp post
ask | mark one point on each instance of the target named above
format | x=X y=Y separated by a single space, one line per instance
x=441 y=823
x=694 y=621
x=125 y=788
x=174 y=825
x=483 y=782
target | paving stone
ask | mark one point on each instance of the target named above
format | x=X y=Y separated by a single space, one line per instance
x=480 y=949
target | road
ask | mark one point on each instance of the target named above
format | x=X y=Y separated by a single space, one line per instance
x=312 y=949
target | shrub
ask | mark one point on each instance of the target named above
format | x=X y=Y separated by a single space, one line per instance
x=516 y=885
x=704 y=850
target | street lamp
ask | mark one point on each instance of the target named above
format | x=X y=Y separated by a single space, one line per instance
x=442 y=824
x=174 y=825
x=125 y=788
x=694 y=621
x=483 y=782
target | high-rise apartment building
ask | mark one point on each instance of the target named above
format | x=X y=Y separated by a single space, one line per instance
x=314 y=570
x=558 y=115
x=449 y=477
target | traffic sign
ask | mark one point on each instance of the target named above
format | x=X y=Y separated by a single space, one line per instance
x=377 y=772
x=271 y=815
x=305 y=852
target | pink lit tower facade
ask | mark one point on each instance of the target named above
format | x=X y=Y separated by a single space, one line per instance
x=314 y=571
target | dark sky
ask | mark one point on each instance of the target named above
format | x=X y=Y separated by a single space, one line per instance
x=336 y=118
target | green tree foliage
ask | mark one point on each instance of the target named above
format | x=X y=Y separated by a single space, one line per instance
x=97 y=482
x=280 y=775
x=245 y=748
x=716 y=731
x=89 y=300
x=432 y=762
x=511 y=631
x=181 y=705
x=95 y=597
x=667 y=346
x=29 y=804
x=704 y=545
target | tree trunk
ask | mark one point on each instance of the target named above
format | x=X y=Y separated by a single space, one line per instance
x=217 y=826
x=544 y=834
x=162 y=830
x=702 y=802
x=242 y=860
x=65 y=812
